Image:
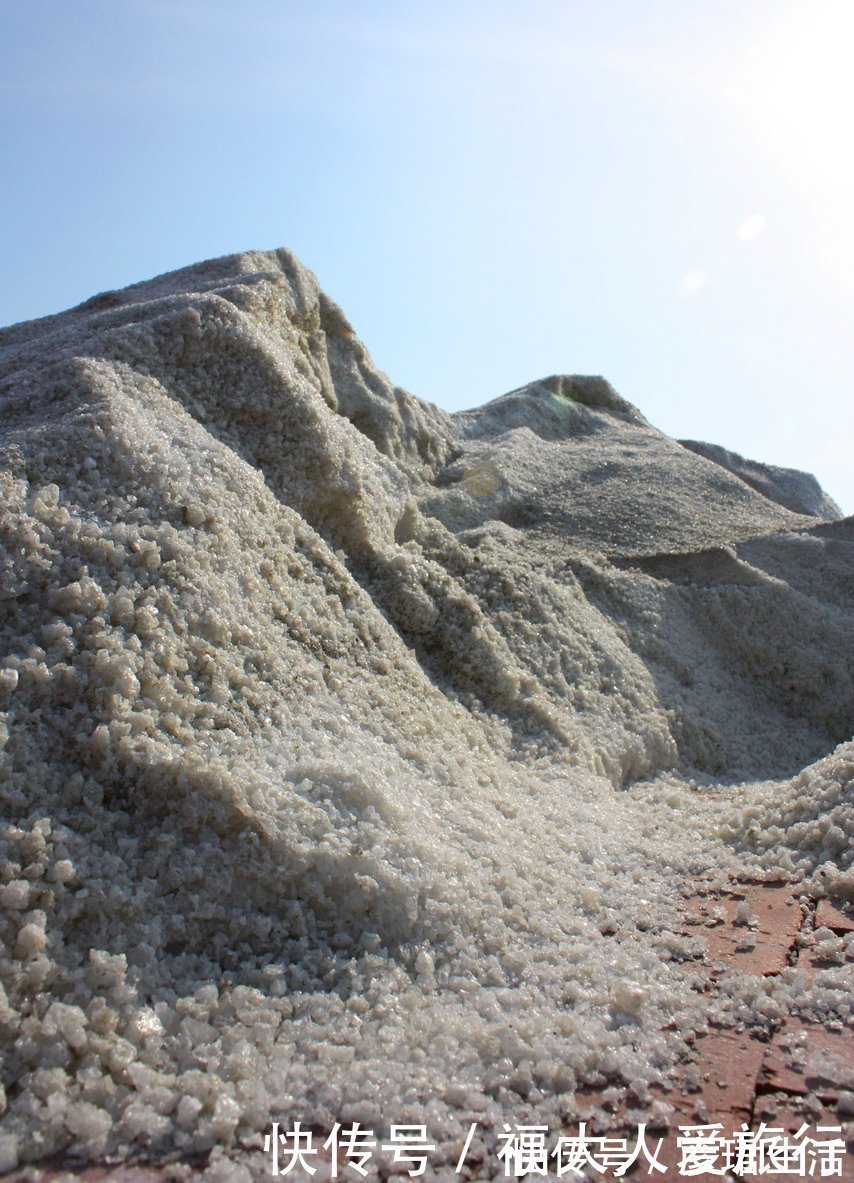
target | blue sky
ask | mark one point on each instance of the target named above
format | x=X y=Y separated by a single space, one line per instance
x=659 y=191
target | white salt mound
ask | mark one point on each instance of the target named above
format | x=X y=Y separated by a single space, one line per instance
x=354 y=755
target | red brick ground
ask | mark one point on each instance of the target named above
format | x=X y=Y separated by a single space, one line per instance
x=750 y=1078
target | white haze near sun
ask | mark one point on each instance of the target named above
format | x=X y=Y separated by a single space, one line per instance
x=797 y=89
x=658 y=193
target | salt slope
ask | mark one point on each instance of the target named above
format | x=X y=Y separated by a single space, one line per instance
x=317 y=707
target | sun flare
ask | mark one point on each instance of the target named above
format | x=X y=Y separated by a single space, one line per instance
x=796 y=88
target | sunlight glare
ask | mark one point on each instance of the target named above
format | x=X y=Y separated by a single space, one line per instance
x=750 y=227
x=796 y=87
x=692 y=283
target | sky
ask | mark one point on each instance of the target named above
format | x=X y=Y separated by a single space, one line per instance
x=661 y=192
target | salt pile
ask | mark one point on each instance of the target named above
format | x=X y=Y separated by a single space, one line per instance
x=355 y=756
